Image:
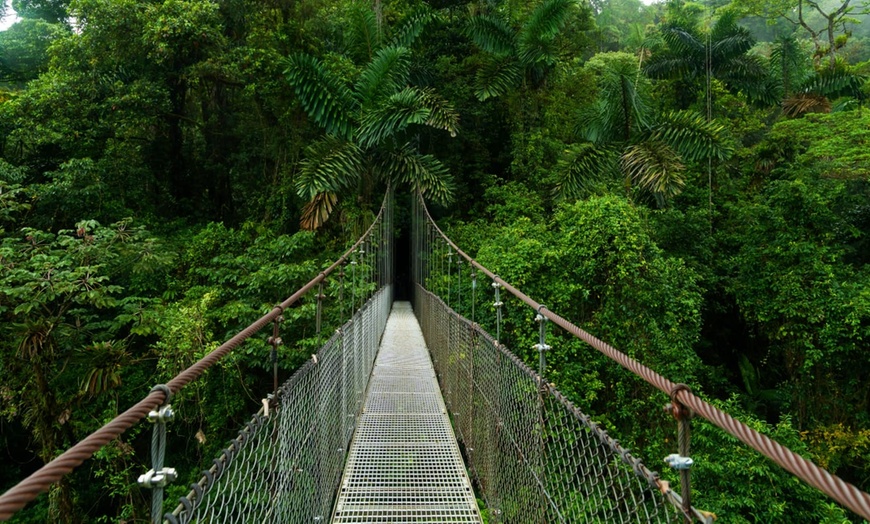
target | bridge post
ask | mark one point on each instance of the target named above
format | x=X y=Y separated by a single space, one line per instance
x=158 y=476
x=682 y=462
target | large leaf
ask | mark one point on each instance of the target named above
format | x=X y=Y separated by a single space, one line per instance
x=580 y=167
x=385 y=74
x=667 y=65
x=407 y=32
x=423 y=172
x=442 y=115
x=546 y=20
x=492 y=34
x=393 y=115
x=363 y=36
x=331 y=165
x=695 y=138
x=654 y=166
x=497 y=76
x=323 y=96
x=316 y=212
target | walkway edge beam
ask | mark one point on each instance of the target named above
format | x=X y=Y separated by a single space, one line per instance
x=38 y=482
x=814 y=475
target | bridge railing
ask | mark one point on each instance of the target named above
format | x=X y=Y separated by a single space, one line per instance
x=367 y=294
x=286 y=463
x=513 y=418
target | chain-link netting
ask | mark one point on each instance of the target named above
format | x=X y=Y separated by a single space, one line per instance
x=535 y=457
x=286 y=464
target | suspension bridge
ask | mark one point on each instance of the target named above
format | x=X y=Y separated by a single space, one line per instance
x=411 y=413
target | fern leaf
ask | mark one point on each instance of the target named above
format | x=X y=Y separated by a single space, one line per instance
x=323 y=96
x=442 y=115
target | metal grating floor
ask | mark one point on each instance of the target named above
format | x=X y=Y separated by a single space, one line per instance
x=404 y=464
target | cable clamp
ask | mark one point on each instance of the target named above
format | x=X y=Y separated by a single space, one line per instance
x=157 y=479
x=678 y=462
x=542 y=347
x=498 y=304
x=161 y=415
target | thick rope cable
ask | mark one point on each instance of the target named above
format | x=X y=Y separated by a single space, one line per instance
x=817 y=477
x=31 y=487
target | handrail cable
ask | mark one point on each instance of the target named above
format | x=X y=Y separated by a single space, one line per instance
x=38 y=482
x=817 y=477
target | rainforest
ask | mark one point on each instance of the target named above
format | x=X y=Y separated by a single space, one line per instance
x=689 y=181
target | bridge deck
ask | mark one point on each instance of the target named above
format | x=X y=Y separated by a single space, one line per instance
x=404 y=463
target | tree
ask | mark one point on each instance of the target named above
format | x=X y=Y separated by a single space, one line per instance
x=367 y=127
x=524 y=54
x=622 y=133
x=827 y=30
x=689 y=55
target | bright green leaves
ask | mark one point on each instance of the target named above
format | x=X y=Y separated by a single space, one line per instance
x=323 y=96
x=392 y=116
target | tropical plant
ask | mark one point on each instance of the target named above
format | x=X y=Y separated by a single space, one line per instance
x=689 y=54
x=515 y=55
x=368 y=126
x=621 y=133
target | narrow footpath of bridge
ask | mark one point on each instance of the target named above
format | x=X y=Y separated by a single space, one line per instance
x=404 y=463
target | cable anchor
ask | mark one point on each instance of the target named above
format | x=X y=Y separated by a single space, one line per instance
x=159 y=476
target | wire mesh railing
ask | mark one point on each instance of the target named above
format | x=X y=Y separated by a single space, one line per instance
x=368 y=281
x=286 y=463
x=437 y=269
x=535 y=457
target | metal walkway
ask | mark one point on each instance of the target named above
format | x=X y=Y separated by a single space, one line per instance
x=404 y=463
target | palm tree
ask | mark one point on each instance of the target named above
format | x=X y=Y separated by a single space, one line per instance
x=621 y=134
x=514 y=55
x=689 y=55
x=367 y=125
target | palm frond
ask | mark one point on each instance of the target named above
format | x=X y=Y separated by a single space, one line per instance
x=363 y=36
x=491 y=34
x=546 y=20
x=393 y=115
x=537 y=51
x=442 y=114
x=331 y=165
x=834 y=83
x=423 y=172
x=323 y=96
x=800 y=104
x=731 y=45
x=386 y=73
x=317 y=211
x=667 y=65
x=695 y=138
x=741 y=72
x=497 y=76
x=682 y=42
x=410 y=28
x=654 y=166
x=580 y=167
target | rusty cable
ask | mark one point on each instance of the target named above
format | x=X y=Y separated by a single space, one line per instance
x=38 y=482
x=814 y=475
